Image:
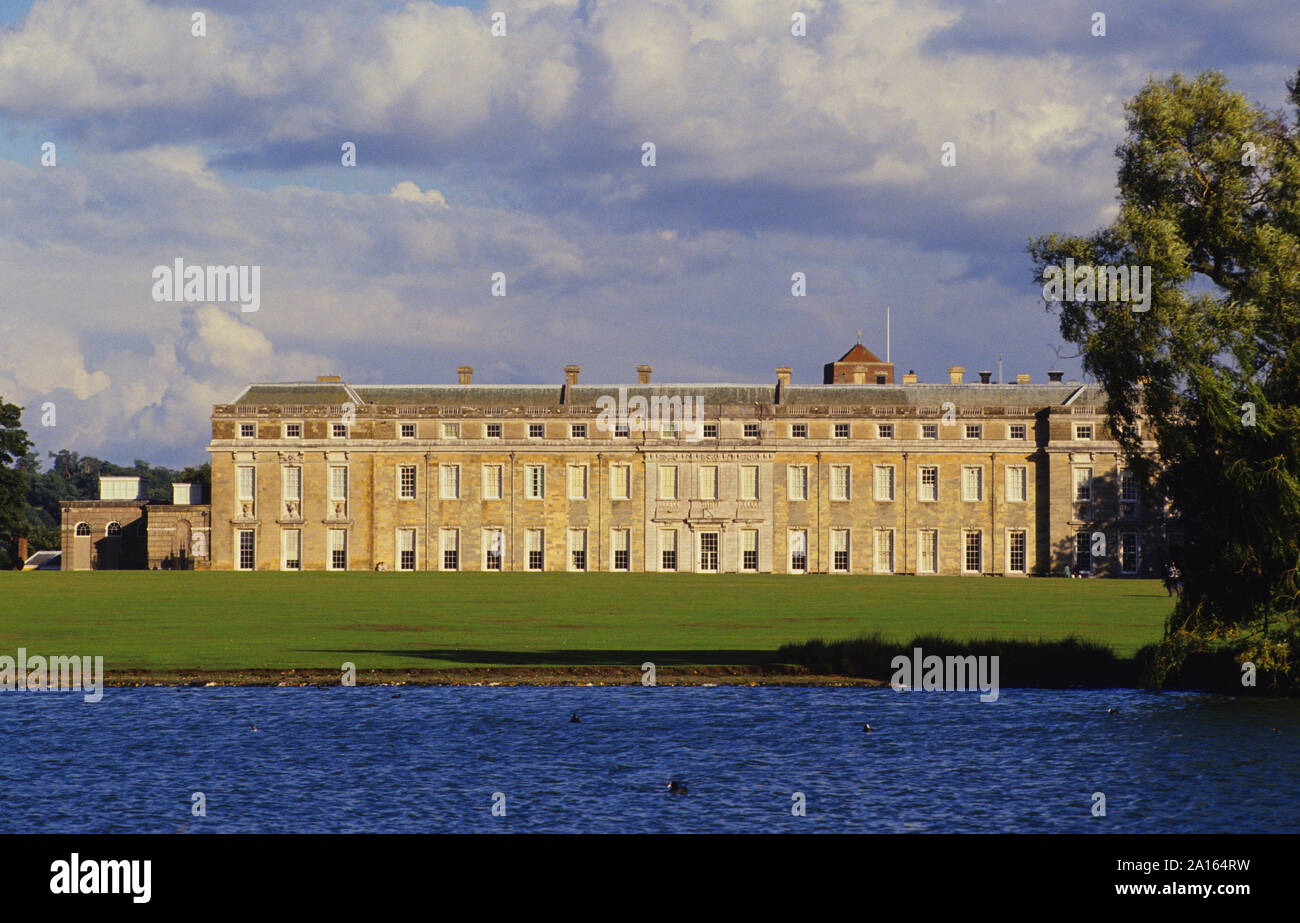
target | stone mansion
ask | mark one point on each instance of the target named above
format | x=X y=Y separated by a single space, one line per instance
x=859 y=475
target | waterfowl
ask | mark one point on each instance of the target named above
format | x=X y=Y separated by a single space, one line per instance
x=1112 y=711
x=676 y=788
x=866 y=729
x=575 y=719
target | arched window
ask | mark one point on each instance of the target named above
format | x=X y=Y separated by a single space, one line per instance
x=114 y=528
x=83 y=528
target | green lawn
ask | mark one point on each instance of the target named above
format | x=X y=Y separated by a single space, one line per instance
x=233 y=621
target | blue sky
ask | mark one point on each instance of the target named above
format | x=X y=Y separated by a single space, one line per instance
x=522 y=155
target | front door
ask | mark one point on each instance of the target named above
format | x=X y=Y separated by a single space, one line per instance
x=708 y=552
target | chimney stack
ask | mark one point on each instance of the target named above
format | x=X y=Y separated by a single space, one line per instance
x=571 y=374
x=328 y=378
x=466 y=373
x=782 y=382
x=1022 y=379
x=984 y=377
x=643 y=374
x=955 y=372
x=1055 y=376
x=910 y=377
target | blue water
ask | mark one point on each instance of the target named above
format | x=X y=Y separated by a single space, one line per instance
x=380 y=759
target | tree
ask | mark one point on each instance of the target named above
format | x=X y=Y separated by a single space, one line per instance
x=1209 y=193
x=13 y=481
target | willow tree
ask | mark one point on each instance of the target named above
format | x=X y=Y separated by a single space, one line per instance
x=1209 y=199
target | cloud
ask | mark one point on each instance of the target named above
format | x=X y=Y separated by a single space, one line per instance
x=408 y=191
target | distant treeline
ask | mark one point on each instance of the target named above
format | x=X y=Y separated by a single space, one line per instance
x=76 y=477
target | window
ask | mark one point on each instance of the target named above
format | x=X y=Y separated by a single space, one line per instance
x=749 y=549
x=797 y=481
x=751 y=430
x=884 y=482
x=667 y=549
x=291 y=490
x=974 y=430
x=291 y=549
x=1016 y=431
x=798 y=430
x=1017 y=484
x=494 y=545
x=929 y=430
x=536 y=430
x=668 y=431
x=293 y=431
x=708 y=482
x=884 y=431
x=841 y=431
x=450 y=430
x=840 y=551
x=247 y=430
x=798 y=551
x=620 y=481
x=449 y=545
x=492 y=430
x=621 y=431
x=83 y=528
x=406 y=431
x=1082 y=553
x=338 y=547
x=972 y=483
x=621 y=540
x=113 y=528
x=406 y=549
x=338 y=508
x=1083 y=431
x=534 y=482
x=533 y=544
x=578 y=431
x=244 y=542
x=577 y=549
x=710 y=431
x=1128 y=552
x=708 y=552
x=927 y=541
x=449 y=482
x=246 y=479
x=1016 y=551
x=338 y=431
x=880 y=378
x=928 y=491
x=1082 y=491
x=1128 y=493
x=840 y=482
x=749 y=482
x=973 y=559
x=884 y=551
x=667 y=482
x=406 y=482
x=492 y=475
x=577 y=482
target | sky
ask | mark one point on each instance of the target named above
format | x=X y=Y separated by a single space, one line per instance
x=522 y=154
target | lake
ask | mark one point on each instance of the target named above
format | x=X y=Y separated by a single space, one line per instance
x=430 y=759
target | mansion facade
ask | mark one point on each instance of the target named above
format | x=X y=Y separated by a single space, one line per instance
x=859 y=475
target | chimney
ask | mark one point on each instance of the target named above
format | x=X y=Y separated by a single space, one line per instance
x=643 y=374
x=1022 y=379
x=782 y=382
x=571 y=374
x=955 y=373
x=910 y=377
x=985 y=377
x=1055 y=376
x=328 y=378
x=466 y=373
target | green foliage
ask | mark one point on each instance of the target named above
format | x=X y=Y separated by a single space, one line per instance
x=13 y=487
x=1222 y=238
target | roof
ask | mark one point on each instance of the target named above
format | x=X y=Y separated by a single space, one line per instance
x=860 y=353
